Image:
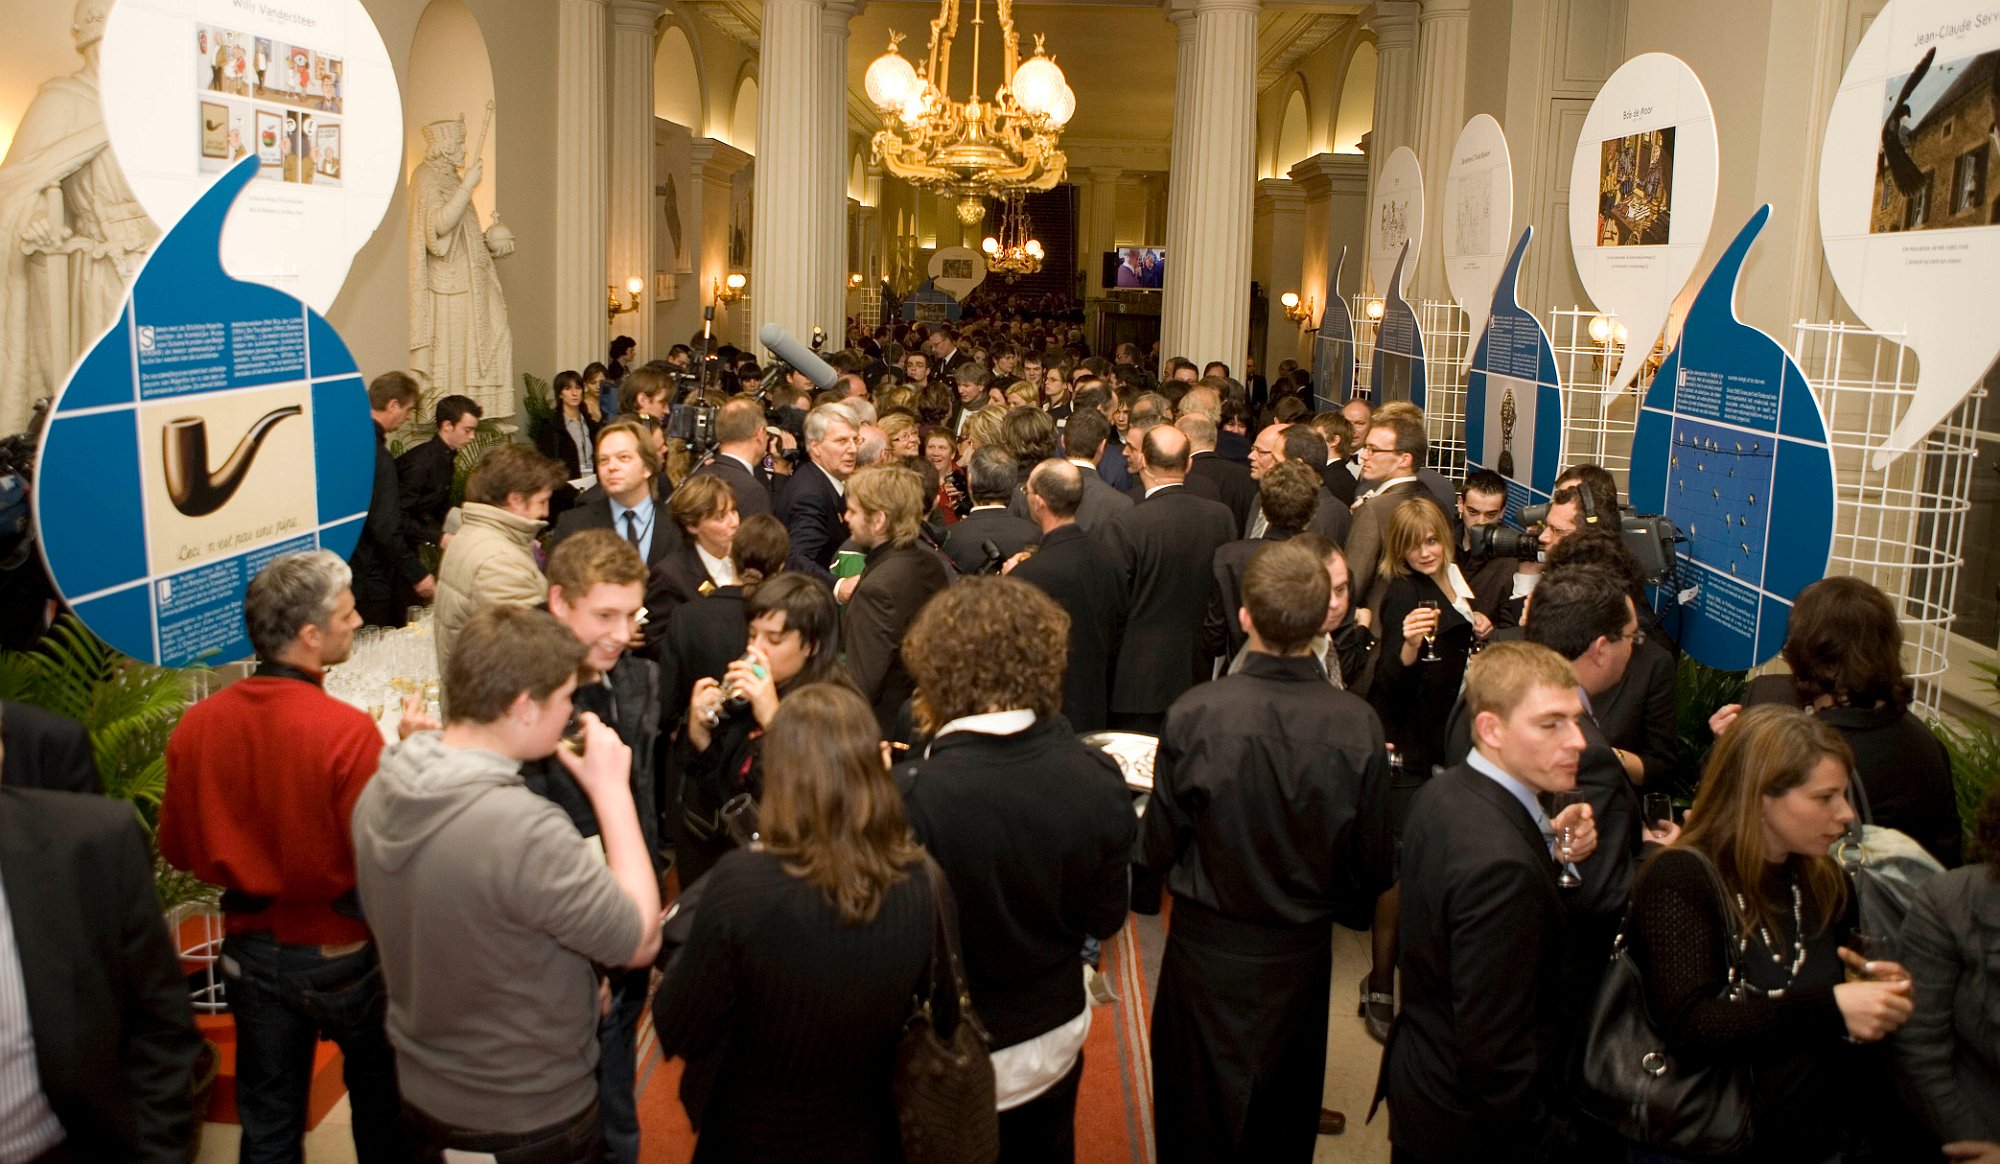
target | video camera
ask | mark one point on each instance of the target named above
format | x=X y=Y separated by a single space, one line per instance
x=1650 y=536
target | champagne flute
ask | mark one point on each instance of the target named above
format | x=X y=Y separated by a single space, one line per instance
x=1565 y=839
x=1430 y=653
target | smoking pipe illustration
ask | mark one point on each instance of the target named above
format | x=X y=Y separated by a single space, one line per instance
x=193 y=488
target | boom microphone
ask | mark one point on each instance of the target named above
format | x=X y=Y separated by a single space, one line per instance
x=798 y=356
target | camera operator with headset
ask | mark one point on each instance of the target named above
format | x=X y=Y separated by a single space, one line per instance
x=1499 y=562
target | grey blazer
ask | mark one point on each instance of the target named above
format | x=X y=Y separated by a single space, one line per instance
x=1950 y=1049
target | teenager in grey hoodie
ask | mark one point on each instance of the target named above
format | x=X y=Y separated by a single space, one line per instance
x=488 y=906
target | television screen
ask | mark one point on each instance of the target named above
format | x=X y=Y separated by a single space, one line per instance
x=1135 y=268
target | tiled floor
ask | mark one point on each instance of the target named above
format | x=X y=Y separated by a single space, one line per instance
x=1351 y=1059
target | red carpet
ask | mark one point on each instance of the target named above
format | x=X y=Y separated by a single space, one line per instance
x=1114 y=1109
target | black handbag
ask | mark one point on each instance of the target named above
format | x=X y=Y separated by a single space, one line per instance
x=1630 y=1081
x=943 y=1085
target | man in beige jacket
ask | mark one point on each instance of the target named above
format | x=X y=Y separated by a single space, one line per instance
x=491 y=559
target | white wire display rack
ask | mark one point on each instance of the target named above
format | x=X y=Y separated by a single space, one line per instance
x=196 y=927
x=1447 y=336
x=1447 y=331
x=1597 y=428
x=1367 y=321
x=1902 y=527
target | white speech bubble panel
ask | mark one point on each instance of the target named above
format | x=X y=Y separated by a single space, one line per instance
x=1396 y=218
x=177 y=119
x=1919 y=262
x=1478 y=218
x=1642 y=196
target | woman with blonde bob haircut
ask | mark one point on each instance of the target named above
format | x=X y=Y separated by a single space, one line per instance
x=1741 y=933
x=789 y=997
x=1428 y=628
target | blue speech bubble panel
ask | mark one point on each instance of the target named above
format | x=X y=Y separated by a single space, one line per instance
x=1399 y=371
x=216 y=425
x=1732 y=447
x=1333 y=347
x=1513 y=396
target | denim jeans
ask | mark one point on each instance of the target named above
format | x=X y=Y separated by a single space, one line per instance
x=284 y=998
x=618 y=1065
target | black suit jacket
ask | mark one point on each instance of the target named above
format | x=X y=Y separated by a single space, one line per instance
x=894 y=586
x=1164 y=546
x=1082 y=576
x=1224 y=631
x=701 y=639
x=115 y=1042
x=1338 y=481
x=1008 y=533
x=1638 y=714
x=1234 y=486
x=1472 y=1064
x=382 y=557
x=815 y=515
x=677 y=578
x=557 y=445
x=423 y=478
x=752 y=489
x=45 y=750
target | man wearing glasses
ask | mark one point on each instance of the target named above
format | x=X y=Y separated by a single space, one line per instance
x=1390 y=454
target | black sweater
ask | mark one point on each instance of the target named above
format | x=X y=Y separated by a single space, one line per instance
x=788 y=1018
x=1034 y=831
x=1792 y=1044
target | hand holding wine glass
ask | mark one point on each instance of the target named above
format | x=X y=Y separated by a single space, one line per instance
x=1571 y=820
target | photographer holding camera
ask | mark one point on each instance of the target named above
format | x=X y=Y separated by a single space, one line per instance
x=793 y=626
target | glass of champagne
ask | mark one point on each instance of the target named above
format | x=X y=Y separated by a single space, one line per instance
x=1430 y=652
x=1565 y=838
x=1874 y=946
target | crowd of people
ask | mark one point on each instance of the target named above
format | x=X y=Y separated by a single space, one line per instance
x=808 y=665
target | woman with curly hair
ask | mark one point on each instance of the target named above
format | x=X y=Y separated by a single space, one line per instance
x=1950 y=1051
x=1844 y=646
x=789 y=997
x=1034 y=831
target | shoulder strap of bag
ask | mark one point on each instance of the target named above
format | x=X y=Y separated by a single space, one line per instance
x=1728 y=921
x=944 y=954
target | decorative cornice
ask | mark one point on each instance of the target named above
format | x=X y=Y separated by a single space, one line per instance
x=1121 y=153
x=715 y=160
x=1279 y=195
x=1292 y=37
x=1324 y=174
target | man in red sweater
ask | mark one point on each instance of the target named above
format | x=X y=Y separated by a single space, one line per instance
x=261 y=782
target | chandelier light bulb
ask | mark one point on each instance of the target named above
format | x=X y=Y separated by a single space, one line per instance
x=1374 y=309
x=1038 y=84
x=1035 y=247
x=1063 y=108
x=635 y=284
x=990 y=245
x=736 y=281
x=1600 y=329
x=913 y=108
x=1289 y=299
x=891 y=81
x=1620 y=334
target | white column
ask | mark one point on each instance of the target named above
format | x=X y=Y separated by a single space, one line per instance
x=577 y=169
x=1206 y=312
x=1276 y=256
x=715 y=165
x=630 y=162
x=1100 y=229
x=1394 y=23
x=832 y=234
x=1179 y=149
x=787 y=264
x=1441 y=47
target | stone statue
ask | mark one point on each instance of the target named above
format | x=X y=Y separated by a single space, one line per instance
x=1508 y=415
x=72 y=233
x=459 y=338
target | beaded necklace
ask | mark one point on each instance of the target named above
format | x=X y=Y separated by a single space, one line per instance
x=1777 y=959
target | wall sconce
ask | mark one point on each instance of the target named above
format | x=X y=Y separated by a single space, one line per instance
x=731 y=289
x=1607 y=334
x=1295 y=311
x=633 y=288
x=855 y=280
x=1374 y=309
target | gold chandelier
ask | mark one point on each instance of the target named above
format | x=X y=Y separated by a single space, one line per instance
x=1015 y=252
x=977 y=148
